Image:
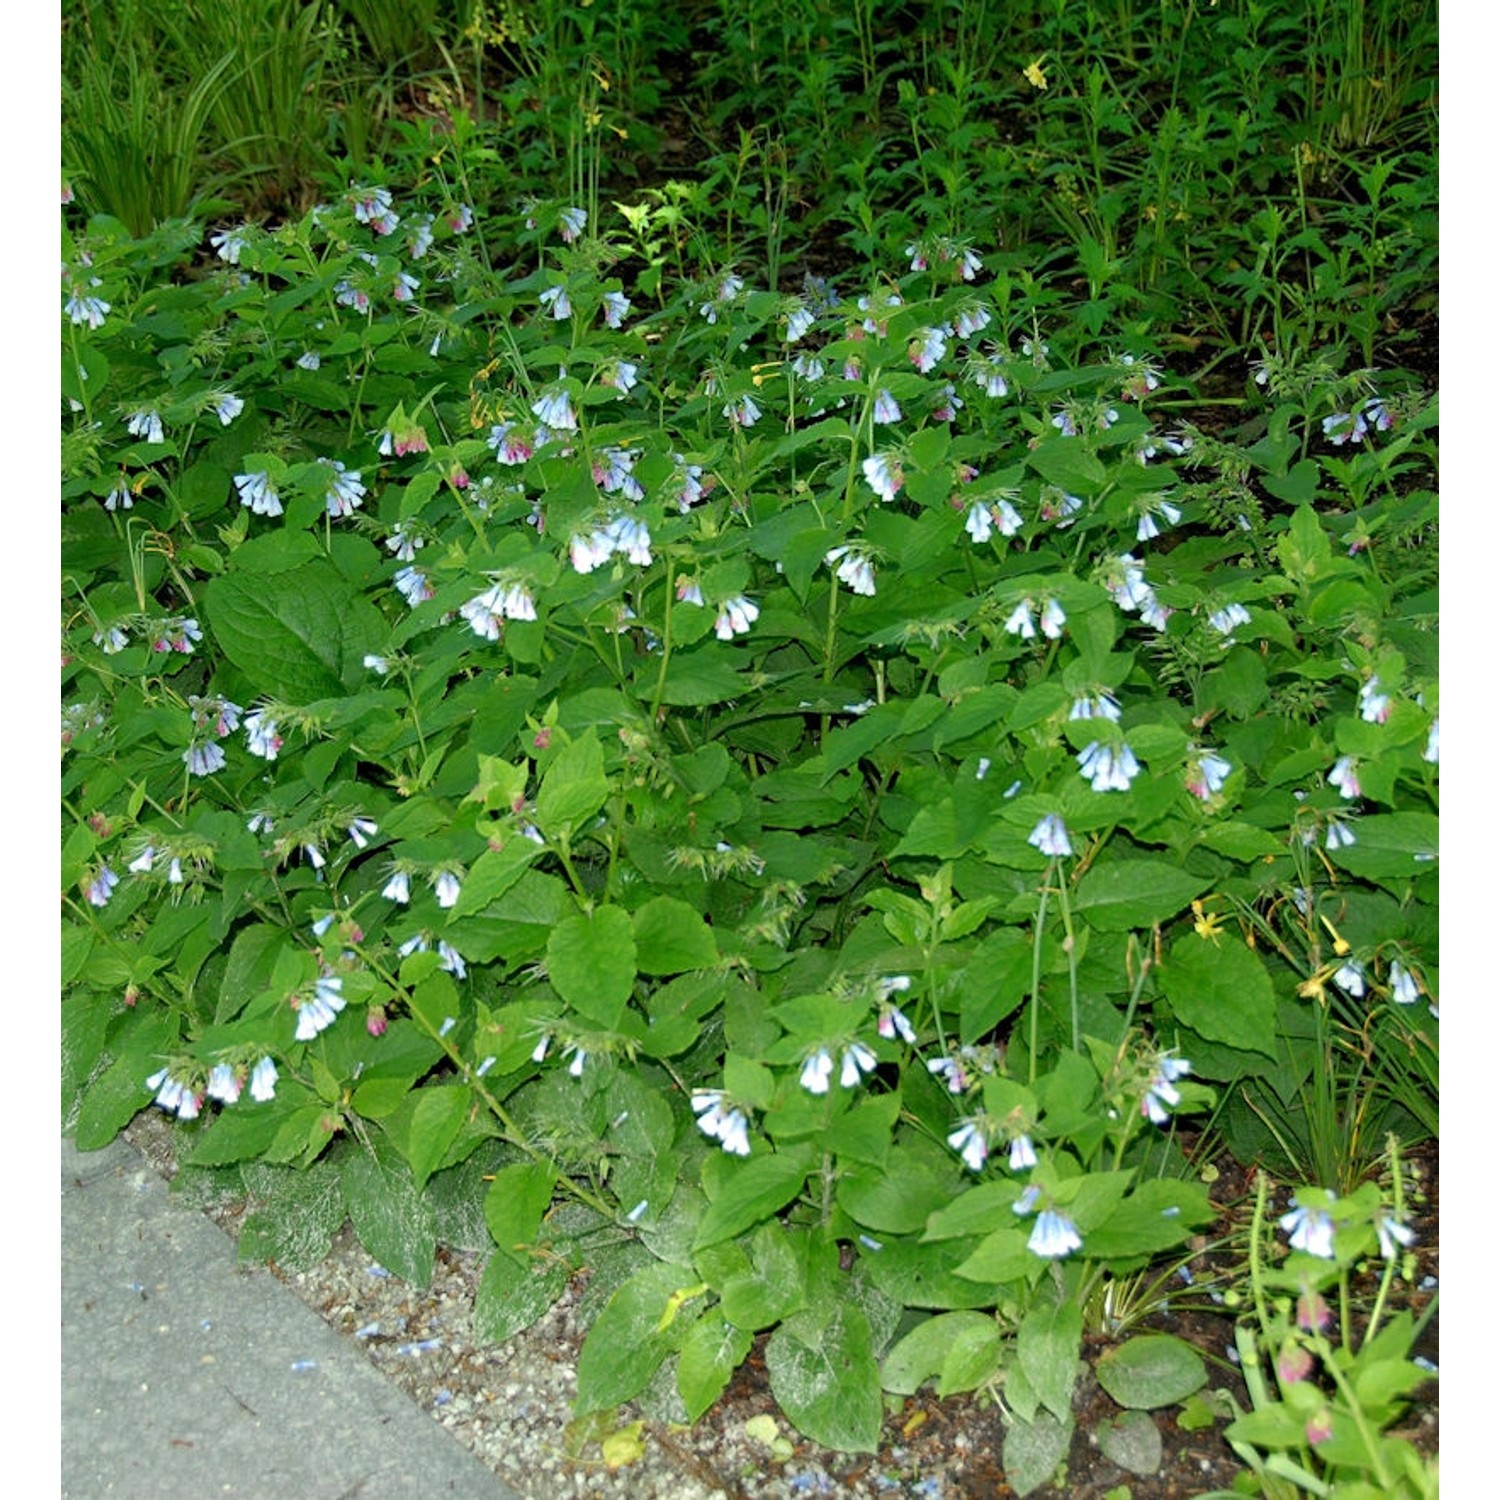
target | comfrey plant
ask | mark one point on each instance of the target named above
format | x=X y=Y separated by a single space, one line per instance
x=1327 y=1387
x=737 y=789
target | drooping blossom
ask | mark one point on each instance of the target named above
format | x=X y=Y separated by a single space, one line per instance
x=1050 y=836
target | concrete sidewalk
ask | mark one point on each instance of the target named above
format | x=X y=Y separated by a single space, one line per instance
x=183 y=1374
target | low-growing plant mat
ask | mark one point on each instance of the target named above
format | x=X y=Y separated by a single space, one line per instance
x=511 y=1404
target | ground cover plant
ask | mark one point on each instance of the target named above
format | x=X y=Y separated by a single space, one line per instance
x=808 y=735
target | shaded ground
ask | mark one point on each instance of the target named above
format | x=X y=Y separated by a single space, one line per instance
x=511 y=1404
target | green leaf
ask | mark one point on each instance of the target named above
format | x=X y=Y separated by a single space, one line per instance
x=1131 y=1440
x=418 y=490
x=695 y=678
x=1159 y=1214
x=927 y=1275
x=1047 y=1345
x=435 y=1123
x=1034 y=1449
x=1000 y=1256
x=921 y=1355
x=391 y=1217
x=641 y=1136
x=1305 y=551
x=517 y=1201
x=375 y=1098
x=252 y=961
x=972 y=1358
x=1392 y=844
x=671 y=938
x=300 y=634
x=824 y=1376
x=300 y=1213
x=1239 y=684
x=1198 y=1414
x=493 y=874
x=1385 y=1381
x=86 y=1015
x=1298 y=486
x=863 y=1132
x=977 y=1211
x=755 y=1189
x=1151 y=1370
x=513 y=1294
x=275 y=552
x=120 y=1092
x=435 y=1000
x=1240 y=841
x=239 y=1134
x=711 y=1353
x=1267 y=1427
x=1067 y=463
x=928 y=448
x=1122 y=894
x=303 y=1133
x=574 y=788
x=1221 y=989
x=591 y=962
x=994 y=983
x=628 y=1340
x=918 y=1179
x=76 y=942
x=773 y=1289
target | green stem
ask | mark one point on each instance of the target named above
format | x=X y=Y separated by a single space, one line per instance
x=1036 y=971
x=1071 y=948
x=562 y=850
x=1135 y=993
x=1257 y=1283
x=512 y=1131
x=1374 y=1449
x=83 y=385
x=1398 y=1195
x=830 y=647
x=666 y=643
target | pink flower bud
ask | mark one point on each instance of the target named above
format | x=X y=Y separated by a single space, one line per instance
x=1312 y=1312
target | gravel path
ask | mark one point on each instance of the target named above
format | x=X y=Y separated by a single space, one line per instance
x=511 y=1404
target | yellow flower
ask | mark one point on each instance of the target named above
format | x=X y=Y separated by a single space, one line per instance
x=1033 y=73
x=1339 y=945
x=1207 y=924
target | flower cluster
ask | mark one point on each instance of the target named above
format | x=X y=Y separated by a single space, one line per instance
x=622 y=534
x=1354 y=426
x=855 y=568
x=1161 y=1092
x=318 y=1010
x=1108 y=768
x=722 y=1121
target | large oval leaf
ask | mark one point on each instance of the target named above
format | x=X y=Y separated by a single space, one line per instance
x=1221 y=989
x=1153 y=1370
x=299 y=634
x=1130 y=893
x=824 y=1376
x=591 y=960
